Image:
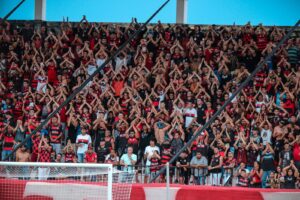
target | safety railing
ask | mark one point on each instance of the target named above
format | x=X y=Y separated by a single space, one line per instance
x=184 y=175
x=143 y=174
x=226 y=177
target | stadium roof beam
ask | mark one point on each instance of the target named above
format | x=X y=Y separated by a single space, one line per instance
x=181 y=11
x=40 y=10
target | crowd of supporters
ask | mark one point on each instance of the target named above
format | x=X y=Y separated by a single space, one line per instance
x=153 y=97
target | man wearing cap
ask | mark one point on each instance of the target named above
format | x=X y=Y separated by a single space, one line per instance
x=82 y=142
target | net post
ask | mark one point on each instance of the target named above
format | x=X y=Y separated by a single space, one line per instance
x=168 y=180
x=109 y=183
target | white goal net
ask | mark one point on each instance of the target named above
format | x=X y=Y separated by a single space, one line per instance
x=60 y=181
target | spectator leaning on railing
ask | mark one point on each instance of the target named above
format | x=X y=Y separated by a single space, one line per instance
x=199 y=167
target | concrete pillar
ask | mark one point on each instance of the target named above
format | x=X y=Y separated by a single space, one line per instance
x=181 y=11
x=40 y=10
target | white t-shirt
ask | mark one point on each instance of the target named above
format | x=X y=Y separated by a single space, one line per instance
x=189 y=114
x=111 y=160
x=99 y=62
x=266 y=136
x=125 y=158
x=180 y=110
x=258 y=105
x=150 y=150
x=234 y=99
x=91 y=69
x=41 y=84
x=85 y=140
x=119 y=63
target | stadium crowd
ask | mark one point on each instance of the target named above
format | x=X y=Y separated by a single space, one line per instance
x=159 y=91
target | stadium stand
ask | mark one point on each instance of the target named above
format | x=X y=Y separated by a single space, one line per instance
x=143 y=107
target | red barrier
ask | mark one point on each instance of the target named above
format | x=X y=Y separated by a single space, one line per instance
x=184 y=192
x=15 y=189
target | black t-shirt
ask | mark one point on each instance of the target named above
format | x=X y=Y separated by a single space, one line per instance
x=27 y=34
x=101 y=153
x=182 y=161
x=252 y=156
x=267 y=163
x=83 y=33
x=4 y=47
x=215 y=161
x=201 y=114
x=289 y=182
x=176 y=145
x=286 y=157
x=225 y=78
x=169 y=105
x=250 y=61
x=142 y=93
x=197 y=36
x=278 y=145
x=145 y=139
x=217 y=100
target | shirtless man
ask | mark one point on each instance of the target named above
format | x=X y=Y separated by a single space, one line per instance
x=278 y=130
x=22 y=155
x=160 y=129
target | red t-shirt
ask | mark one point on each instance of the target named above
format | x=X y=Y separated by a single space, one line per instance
x=8 y=143
x=255 y=177
x=69 y=157
x=52 y=74
x=62 y=114
x=36 y=141
x=289 y=105
x=118 y=86
x=261 y=42
x=90 y=157
x=241 y=156
x=296 y=152
x=211 y=112
x=44 y=154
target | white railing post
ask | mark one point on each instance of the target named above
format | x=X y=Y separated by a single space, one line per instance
x=168 y=181
x=109 y=183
